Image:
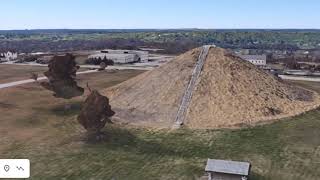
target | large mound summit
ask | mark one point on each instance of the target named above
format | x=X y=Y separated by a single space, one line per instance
x=229 y=92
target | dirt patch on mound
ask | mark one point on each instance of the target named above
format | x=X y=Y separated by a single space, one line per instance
x=229 y=92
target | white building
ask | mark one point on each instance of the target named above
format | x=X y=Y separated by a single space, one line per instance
x=258 y=60
x=8 y=56
x=122 y=56
x=116 y=58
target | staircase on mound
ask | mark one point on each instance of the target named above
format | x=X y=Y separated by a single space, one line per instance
x=191 y=86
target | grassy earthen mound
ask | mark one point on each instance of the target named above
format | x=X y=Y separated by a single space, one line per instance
x=153 y=98
x=229 y=92
x=233 y=92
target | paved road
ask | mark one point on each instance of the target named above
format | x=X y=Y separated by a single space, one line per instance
x=300 y=78
x=119 y=67
x=16 y=83
x=134 y=67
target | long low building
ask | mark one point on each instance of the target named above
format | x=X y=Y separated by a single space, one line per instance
x=258 y=60
x=122 y=56
x=116 y=58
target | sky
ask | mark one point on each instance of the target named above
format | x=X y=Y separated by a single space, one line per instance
x=159 y=14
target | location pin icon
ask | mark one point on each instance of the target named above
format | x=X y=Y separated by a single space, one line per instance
x=6 y=168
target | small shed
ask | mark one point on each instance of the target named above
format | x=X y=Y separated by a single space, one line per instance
x=227 y=170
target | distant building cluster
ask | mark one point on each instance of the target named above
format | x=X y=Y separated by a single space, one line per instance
x=8 y=56
x=121 y=56
x=276 y=55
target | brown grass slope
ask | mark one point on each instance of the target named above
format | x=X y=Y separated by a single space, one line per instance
x=230 y=92
x=233 y=92
x=153 y=98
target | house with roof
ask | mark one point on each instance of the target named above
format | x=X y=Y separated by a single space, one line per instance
x=227 y=170
x=8 y=56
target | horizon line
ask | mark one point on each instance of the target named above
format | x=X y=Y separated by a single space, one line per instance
x=32 y=29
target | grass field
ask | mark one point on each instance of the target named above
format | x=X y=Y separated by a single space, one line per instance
x=9 y=73
x=309 y=85
x=34 y=125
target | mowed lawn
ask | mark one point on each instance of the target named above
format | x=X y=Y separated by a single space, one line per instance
x=9 y=73
x=34 y=125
